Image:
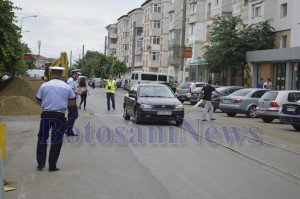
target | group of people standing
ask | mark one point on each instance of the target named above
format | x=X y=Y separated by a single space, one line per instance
x=56 y=97
x=265 y=85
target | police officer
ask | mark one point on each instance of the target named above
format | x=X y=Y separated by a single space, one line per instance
x=72 y=109
x=54 y=97
x=110 y=88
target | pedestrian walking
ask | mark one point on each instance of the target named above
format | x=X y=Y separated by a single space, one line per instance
x=260 y=84
x=72 y=109
x=208 y=107
x=84 y=92
x=110 y=88
x=54 y=96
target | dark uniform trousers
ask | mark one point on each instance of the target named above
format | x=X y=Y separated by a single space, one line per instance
x=56 y=122
x=72 y=116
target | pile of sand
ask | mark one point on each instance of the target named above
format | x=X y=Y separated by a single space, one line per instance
x=18 y=97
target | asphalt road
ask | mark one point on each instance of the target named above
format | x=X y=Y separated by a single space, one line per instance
x=114 y=158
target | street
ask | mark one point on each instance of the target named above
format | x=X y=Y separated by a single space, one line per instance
x=232 y=157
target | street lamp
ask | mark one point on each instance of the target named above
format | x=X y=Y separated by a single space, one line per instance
x=24 y=18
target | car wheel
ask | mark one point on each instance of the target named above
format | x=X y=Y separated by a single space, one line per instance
x=126 y=116
x=267 y=120
x=137 y=117
x=296 y=127
x=251 y=112
x=231 y=114
x=192 y=103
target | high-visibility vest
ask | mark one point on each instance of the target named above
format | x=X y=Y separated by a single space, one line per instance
x=111 y=84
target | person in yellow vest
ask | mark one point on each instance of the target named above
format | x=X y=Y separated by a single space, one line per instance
x=110 y=89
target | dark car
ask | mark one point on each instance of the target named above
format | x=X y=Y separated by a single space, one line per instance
x=170 y=84
x=184 y=90
x=152 y=102
x=290 y=113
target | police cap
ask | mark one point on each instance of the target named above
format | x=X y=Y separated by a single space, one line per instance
x=57 y=69
x=77 y=71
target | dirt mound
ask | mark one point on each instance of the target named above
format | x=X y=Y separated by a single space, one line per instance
x=18 y=105
x=18 y=97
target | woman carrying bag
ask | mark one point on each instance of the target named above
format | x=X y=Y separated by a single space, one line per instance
x=84 y=92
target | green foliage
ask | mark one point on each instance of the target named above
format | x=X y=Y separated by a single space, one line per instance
x=11 y=49
x=231 y=39
x=96 y=64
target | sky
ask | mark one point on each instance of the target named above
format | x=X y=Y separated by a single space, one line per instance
x=67 y=25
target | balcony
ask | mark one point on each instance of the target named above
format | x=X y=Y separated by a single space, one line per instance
x=174 y=42
x=192 y=18
x=154 y=16
x=154 y=32
x=153 y=64
x=113 y=36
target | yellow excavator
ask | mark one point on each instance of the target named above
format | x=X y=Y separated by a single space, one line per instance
x=62 y=62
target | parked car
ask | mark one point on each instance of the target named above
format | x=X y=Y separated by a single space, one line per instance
x=243 y=101
x=124 y=83
x=290 y=113
x=170 y=84
x=184 y=90
x=97 y=82
x=269 y=105
x=152 y=102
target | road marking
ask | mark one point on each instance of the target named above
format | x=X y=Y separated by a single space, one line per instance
x=102 y=115
x=26 y=186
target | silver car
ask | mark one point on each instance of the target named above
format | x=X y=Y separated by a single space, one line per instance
x=242 y=101
x=269 y=105
x=184 y=90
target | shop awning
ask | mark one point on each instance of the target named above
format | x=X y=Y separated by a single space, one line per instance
x=197 y=63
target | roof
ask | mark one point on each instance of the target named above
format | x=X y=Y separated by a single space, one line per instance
x=40 y=57
x=134 y=10
x=122 y=17
x=147 y=1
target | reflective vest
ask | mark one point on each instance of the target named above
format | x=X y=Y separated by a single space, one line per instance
x=111 y=84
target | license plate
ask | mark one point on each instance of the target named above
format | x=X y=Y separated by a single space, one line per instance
x=226 y=101
x=261 y=110
x=164 y=113
x=291 y=109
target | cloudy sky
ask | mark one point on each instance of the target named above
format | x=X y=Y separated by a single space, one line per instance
x=67 y=25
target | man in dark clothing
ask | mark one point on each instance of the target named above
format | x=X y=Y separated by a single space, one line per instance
x=208 y=107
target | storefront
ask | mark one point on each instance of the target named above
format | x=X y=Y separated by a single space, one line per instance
x=280 y=65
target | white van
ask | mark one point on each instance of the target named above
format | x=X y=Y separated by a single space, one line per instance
x=140 y=77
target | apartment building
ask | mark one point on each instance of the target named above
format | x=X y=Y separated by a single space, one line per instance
x=155 y=37
x=281 y=64
x=123 y=39
x=136 y=39
x=112 y=39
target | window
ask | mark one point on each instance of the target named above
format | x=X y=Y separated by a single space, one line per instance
x=155 y=40
x=209 y=7
x=126 y=59
x=113 y=51
x=171 y=16
x=149 y=77
x=139 y=30
x=156 y=8
x=126 y=47
x=283 y=41
x=113 y=41
x=156 y=24
x=193 y=29
x=155 y=56
x=216 y=2
x=283 y=10
x=193 y=8
x=126 y=34
x=115 y=30
x=256 y=10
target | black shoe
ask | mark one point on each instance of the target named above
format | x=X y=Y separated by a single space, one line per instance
x=213 y=119
x=108 y=109
x=53 y=169
x=203 y=120
x=40 y=167
x=114 y=109
x=72 y=134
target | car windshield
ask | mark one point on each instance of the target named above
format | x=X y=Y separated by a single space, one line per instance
x=242 y=92
x=155 y=91
x=269 y=96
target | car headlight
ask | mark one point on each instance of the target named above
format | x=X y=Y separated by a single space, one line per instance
x=179 y=106
x=145 y=106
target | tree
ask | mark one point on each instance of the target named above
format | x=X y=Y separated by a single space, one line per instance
x=11 y=49
x=231 y=39
x=96 y=64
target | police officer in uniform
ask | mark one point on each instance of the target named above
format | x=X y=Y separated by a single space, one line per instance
x=54 y=97
x=72 y=109
x=110 y=88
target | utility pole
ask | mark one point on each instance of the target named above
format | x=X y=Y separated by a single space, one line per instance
x=82 y=56
x=105 y=45
x=133 y=47
x=39 y=44
x=71 y=58
x=182 y=46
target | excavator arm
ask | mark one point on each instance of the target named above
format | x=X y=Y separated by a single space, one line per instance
x=62 y=62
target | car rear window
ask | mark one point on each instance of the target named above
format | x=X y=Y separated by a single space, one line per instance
x=270 y=96
x=185 y=85
x=293 y=97
x=199 y=85
x=242 y=92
